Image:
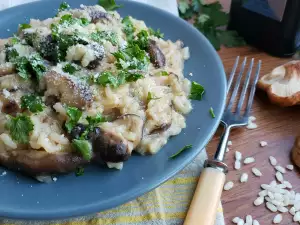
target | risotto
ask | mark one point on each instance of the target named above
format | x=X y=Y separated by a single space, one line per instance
x=89 y=86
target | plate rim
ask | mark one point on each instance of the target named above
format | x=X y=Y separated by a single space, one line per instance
x=121 y=199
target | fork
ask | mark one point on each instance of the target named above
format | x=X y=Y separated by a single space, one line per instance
x=203 y=208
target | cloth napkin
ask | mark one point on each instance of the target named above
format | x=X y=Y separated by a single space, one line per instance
x=166 y=205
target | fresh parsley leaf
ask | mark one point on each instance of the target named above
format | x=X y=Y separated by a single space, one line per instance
x=128 y=28
x=107 y=78
x=22 y=67
x=196 y=5
x=109 y=5
x=197 y=91
x=132 y=77
x=211 y=111
x=63 y=6
x=218 y=17
x=156 y=33
x=74 y=116
x=24 y=26
x=93 y=121
x=132 y=58
x=11 y=54
x=142 y=40
x=37 y=65
x=84 y=21
x=19 y=128
x=70 y=68
x=164 y=73
x=67 y=20
x=180 y=151
x=150 y=97
x=79 y=171
x=84 y=147
x=105 y=35
x=230 y=38
x=183 y=6
x=32 y=102
x=15 y=40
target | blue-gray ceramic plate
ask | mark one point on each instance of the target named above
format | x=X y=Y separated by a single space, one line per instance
x=101 y=188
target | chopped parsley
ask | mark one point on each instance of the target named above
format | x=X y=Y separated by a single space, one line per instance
x=27 y=66
x=70 y=68
x=132 y=58
x=79 y=171
x=208 y=18
x=180 y=151
x=150 y=97
x=156 y=33
x=67 y=20
x=197 y=91
x=74 y=116
x=128 y=28
x=63 y=6
x=11 y=54
x=211 y=111
x=164 y=73
x=93 y=122
x=109 y=5
x=33 y=103
x=105 y=35
x=84 y=147
x=24 y=26
x=142 y=40
x=19 y=128
x=115 y=80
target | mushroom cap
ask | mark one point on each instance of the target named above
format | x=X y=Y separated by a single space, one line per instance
x=283 y=84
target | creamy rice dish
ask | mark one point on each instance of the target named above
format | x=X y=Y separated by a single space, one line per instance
x=89 y=86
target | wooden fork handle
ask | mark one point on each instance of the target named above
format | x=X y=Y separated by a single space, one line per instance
x=203 y=208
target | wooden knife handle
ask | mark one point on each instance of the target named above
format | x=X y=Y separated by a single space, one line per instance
x=206 y=199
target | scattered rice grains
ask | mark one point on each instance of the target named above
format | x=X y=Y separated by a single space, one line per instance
x=229 y=185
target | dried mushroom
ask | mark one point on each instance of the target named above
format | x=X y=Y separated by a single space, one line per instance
x=283 y=84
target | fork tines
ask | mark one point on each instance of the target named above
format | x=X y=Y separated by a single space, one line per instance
x=242 y=79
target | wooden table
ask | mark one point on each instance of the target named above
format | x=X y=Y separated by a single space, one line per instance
x=278 y=126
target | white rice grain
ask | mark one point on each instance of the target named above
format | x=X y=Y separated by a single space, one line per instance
x=238 y=156
x=290 y=167
x=296 y=217
x=229 y=185
x=236 y=219
x=287 y=184
x=280 y=169
x=229 y=143
x=263 y=193
x=271 y=207
x=277 y=218
x=273 y=161
x=259 y=201
x=282 y=209
x=237 y=165
x=256 y=172
x=263 y=143
x=249 y=160
x=241 y=222
x=249 y=219
x=292 y=211
x=279 y=176
x=270 y=194
x=255 y=222
x=244 y=178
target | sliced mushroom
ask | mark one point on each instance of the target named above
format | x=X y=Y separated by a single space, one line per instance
x=157 y=57
x=10 y=107
x=162 y=128
x=283 y=84
x=116 y=140
x=15 y=82
x=96 y=13
x=69 y=90
x=6 y=69
x=35 y=162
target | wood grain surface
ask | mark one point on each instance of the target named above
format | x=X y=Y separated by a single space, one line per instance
x=278 y=126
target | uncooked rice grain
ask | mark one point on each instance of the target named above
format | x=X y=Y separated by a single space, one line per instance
x=238 y=156
x=228 y=185
x=236 y=219
x=271 y=207
x=249 y=160
x=279 y=176
x=292 y=211
x=263 y=143
x=244 y=178
x=237 y=165
x=277 y=218
x=256 y=172
x=296 y=217
x=241 y=222
x=282 y=209
x=259 y=201
x=270 y=194
x=280 y=169
x=229 y=143
x=287 y=184
x=249 y=219
x=263 y=193
x=290 y=167
x=273 y=161
x=255 y=222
